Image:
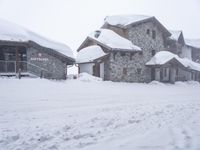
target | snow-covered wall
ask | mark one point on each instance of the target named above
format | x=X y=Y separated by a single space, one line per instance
x=102 y=70
x=88 y=68
x=186 y=52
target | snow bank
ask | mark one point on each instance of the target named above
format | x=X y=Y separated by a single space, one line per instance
x=45 y=114
x=89 y=54
x=194 y=83
x=13 y=32
x=193 y=42
x=113 y=40
x=88 y=78
x=156 y=83
x=124 y=20
x=163 y=57
x=175 y=35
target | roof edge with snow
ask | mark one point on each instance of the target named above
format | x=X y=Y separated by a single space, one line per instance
x=144 y=18
x=163 y=57
x=11 y=32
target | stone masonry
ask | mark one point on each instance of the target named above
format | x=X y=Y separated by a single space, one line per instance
x=130 y=67
x=54 y=68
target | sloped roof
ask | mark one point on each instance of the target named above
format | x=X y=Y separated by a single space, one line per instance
x=193 y=42
x=15 y=33
x=113 y=40
x=89 y=54
x=163 y=57
x=124 y=21
x=175 y=34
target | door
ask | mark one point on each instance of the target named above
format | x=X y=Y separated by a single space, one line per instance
x=96 y=70
x=153 y=73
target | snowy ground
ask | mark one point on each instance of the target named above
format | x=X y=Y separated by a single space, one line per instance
x=81 y=114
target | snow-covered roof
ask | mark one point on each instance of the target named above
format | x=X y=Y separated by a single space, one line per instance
x=193 y=42
x=163 y=57
x=175 y=34
x=15 y=33
x=124 y=20
x=113 y=40
x=89 y=54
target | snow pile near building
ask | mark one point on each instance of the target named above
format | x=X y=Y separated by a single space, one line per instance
x=175 y=35
x=15 y=33
x=113 y=40
x=156 y=83
x=187 y=83
x=193 y=42
x=89 y=54
x=88 y=78
x=163 y=57
x=125 y=20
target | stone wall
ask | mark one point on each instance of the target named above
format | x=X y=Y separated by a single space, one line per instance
x=131 y=67
x=126 y=67
x=54 y=67
x=138 y=35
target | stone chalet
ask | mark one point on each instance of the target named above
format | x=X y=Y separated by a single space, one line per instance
x=138 y=48
x=25 y=53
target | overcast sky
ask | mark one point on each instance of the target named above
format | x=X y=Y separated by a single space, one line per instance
x=70 y=21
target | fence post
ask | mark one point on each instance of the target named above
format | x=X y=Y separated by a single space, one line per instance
x=41 y=74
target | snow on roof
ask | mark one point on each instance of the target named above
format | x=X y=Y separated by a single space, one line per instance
x=89 y=54
x=113 y=40
x=124 y=20
x=175 y=34
x=193 y=42
x=13 y=32
x=163 y=57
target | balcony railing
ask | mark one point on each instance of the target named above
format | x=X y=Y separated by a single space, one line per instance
x=13 y=67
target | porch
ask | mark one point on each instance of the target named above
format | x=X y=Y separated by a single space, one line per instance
x=12 y=59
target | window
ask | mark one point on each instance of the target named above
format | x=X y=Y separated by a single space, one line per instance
x=97 y=33
x=153 y=52
x=131 y=56
x=124 y=71
x=148 y=32
x=123 y=54
x=114 y=56
x=139 y=70
x=154 y=34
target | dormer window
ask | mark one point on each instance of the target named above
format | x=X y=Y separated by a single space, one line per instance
x=97 y=33
x=153 y=52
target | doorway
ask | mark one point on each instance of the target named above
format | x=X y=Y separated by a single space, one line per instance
x=96 y=70
x=153 y=74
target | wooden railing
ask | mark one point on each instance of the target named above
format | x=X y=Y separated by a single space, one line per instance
x=22 y=66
